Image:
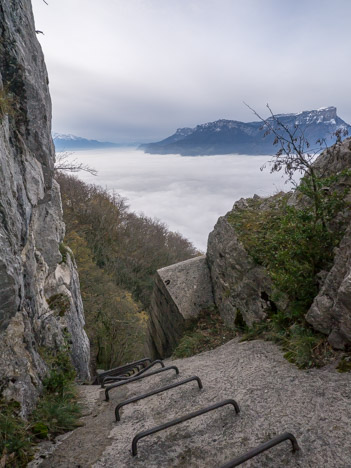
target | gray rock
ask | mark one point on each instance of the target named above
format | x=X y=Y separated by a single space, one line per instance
x=31 y=227
x=239 y=284
x=330 y=312
x=181 y=291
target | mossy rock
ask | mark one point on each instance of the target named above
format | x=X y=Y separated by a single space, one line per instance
x=40 y=430
x=345 y=364
x=59 y=303
x=64 y=251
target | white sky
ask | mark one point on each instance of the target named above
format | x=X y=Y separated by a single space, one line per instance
x=135 y=70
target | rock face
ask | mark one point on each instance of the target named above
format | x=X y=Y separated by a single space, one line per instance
x=330 y=312
x=40 y=300
x=181 y=291
x=240 y=286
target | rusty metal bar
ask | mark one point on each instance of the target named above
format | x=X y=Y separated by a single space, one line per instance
x=134 y=379
x=109 y=379
x=121 y=369
x=155 y=392
x=174 y=422
x=262 y=448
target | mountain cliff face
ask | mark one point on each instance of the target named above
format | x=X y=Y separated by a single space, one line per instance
x=231 y=136
x=40 y=303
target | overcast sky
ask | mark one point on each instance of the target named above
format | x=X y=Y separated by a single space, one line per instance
x=136 y=70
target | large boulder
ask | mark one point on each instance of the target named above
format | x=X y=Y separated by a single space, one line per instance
x=242 y=289
x=180 y=292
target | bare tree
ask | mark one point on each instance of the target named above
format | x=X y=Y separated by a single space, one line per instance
x=66 y=164
x=296 y=155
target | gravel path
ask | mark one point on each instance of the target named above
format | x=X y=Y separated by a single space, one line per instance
x=273 y=395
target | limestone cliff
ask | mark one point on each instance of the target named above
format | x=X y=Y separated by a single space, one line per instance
x=40 y=299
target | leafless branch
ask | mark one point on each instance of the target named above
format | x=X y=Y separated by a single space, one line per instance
x=64 y=163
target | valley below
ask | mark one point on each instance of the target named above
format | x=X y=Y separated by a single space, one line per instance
x=186 y=193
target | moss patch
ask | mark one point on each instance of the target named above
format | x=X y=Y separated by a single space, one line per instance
x=206 y=333
x=59 y=303
x=345 y=364
x=6 y=103
x=302 y=346
x=64 y=251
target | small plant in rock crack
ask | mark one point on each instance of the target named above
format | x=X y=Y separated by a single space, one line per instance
x=6 y=103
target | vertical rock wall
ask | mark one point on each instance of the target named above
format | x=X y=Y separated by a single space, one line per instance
x=330 y=312
x=239 y=285
x=40 y=301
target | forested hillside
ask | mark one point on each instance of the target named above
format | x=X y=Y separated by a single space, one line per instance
x=117 y=253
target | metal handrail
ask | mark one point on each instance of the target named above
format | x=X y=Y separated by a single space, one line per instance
x=262 y=448
x=134 y=379
x=142 y=371
x=155 y=392
x=174 y=422
x=121 y=369
x=126 y=377
x=129 y=373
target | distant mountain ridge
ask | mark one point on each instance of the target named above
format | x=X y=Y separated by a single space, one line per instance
x=235 y=137
x=74 y=143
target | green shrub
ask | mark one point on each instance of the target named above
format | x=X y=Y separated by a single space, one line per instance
x=290 y=244
x=56 y=414
x=303 y=346
x=205 y=333
x=190 y=344
x=64 y=252
x=6 y=103
x=345 y=364
x=15 y=439
x=57 y=411
x=294 y=245
x=59 y=303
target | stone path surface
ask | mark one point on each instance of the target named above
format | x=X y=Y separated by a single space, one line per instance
x=274 y=396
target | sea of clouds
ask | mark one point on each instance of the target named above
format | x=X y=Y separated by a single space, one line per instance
x=186 y=193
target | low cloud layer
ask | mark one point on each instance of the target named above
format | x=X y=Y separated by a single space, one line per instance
x=187 y=193
x=136 y=70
